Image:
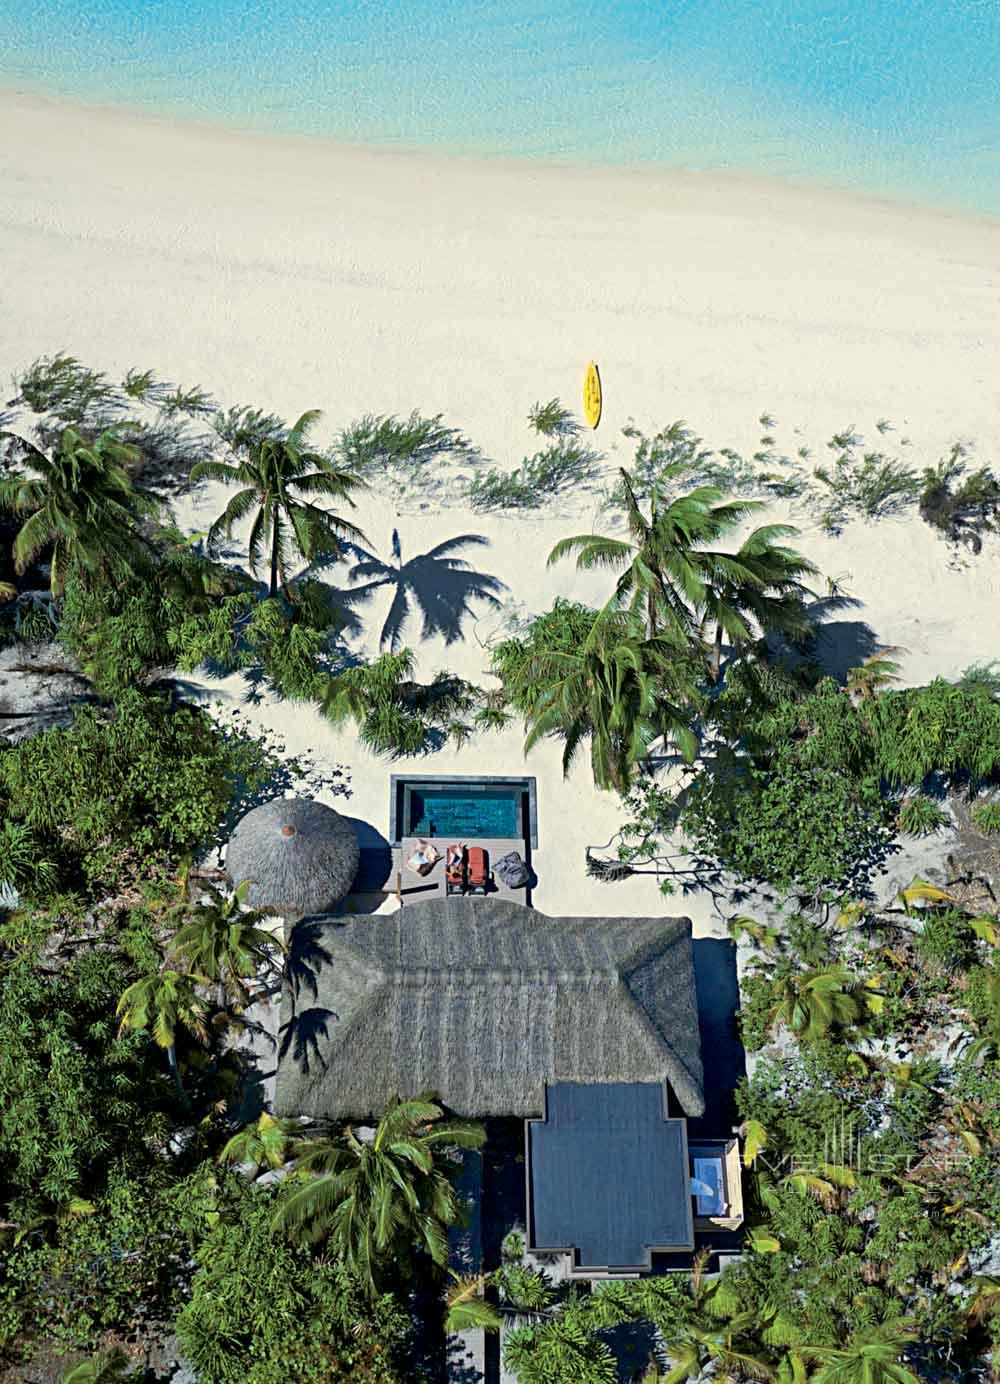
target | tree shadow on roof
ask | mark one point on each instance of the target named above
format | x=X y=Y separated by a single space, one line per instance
x=303 y=1036
x=438 y=584
x=307 y=955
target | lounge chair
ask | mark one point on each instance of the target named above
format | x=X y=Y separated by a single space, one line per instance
x=454 y=870
x=479 y=870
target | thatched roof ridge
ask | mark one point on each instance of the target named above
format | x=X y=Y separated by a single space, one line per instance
x=485 y=1001
x=301 y=856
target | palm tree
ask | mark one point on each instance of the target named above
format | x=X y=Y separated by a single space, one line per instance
x=871 y=1356
x=711 y=1340
x=706 y=1348
x=874 y=675
x=274 y=473
x=269 y=1142
x=163 y=1002
x=440 y=584
x=620 y=690
x=223 y=943
x=82 y=503
x=812 y=1002
x=374 y=1200
x=466 y=1309
x=664 y=565
x=759 y=589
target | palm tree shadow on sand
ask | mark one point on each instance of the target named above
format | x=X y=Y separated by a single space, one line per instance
x=438 y=584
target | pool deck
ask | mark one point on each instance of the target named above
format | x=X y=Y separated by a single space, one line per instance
x=418 y=888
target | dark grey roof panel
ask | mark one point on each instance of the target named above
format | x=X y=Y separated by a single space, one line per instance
x=609 y=1175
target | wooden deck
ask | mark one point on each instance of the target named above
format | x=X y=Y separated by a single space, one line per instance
x=417 y=888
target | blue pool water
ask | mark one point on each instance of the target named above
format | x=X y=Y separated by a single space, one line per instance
x=462 y=812
x=891 y=96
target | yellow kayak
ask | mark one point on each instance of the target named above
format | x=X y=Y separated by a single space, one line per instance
x=592 y=400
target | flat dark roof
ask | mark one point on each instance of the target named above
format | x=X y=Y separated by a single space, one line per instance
x=608 y=1175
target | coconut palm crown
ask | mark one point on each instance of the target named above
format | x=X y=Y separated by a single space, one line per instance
x=223 y=943
x=375 y=1200
x=663 y=562
x=82 y=503
x=278 y=476
x=621 y=691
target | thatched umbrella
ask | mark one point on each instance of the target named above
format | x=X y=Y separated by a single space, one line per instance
x=301 y=856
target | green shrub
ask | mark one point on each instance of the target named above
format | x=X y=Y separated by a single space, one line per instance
x=265 y=1311
x=552 y=419
x=118 y=787
x=567 y=464
x=986 y=818
x=795 y=827
x=921 y=816
x=61 y=386
x=70 y=1087
x=870 y=486
x=243 y=427
x=945 y=940
x=962 y=505
x=767 y=473
x=400 y=447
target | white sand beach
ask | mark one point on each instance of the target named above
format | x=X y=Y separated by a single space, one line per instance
x=295 y=274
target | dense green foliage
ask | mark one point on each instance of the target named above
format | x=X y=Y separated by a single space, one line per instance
x=263 y=1310
x=68 y=1082
x=793 y=825
x=810 y=792
x=104 y=796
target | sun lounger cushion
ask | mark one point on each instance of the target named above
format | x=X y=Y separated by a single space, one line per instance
x=512 y=870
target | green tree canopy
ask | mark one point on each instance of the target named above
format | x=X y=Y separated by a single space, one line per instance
x=278 y=477
x=376 y=1201
x=82 y=504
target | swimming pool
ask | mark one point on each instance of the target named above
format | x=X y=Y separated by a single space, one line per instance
x=463 y=808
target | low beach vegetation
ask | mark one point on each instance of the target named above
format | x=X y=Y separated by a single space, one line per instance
x=565 y=466
x=961 y=504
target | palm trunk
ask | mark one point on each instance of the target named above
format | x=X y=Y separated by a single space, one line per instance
x=273 y=590
x=716 y=662
x=175 y=1072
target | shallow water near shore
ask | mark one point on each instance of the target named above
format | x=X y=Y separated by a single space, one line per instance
x=895 y=97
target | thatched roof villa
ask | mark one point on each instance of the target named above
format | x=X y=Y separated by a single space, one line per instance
x=586 y=1029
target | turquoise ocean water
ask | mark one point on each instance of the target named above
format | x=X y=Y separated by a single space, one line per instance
x=897 y=97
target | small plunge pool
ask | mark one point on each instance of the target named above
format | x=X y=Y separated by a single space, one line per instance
x=463 y=808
